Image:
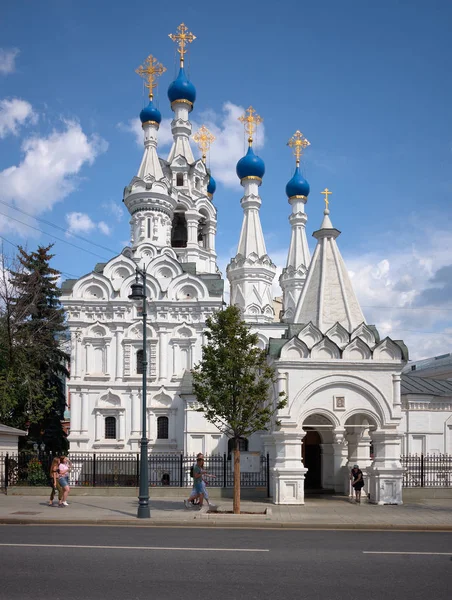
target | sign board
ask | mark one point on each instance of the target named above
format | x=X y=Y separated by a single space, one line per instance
x=250 y=462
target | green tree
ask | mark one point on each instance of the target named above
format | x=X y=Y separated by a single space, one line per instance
x=233 y=383
x=32 y=376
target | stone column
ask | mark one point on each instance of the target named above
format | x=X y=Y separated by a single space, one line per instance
x=386 y=473
x=192 y=218
x=85 y=412
x=76 y=412
x=118 y=353
x=122 y=422
x=340 y=456
x=211 y=237
x=98 y=434
x=136 y=423
x=163 y=354
x=288 y=472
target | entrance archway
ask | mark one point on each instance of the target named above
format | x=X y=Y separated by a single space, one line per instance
x=312 y=460
x=315 y=452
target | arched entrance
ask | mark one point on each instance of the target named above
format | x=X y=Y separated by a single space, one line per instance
x=315 y=453
x=312 y=460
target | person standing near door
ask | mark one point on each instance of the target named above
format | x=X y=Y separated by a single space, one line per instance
x=357 y=479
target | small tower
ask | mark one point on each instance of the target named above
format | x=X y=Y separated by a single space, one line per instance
x=149 y=197
x=328 y=296
x=182 y=95
x=251 y=272
x=293 y=275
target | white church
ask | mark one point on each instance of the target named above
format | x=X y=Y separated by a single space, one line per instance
x=343 y=382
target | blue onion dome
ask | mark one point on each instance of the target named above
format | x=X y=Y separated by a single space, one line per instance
x=150 y=113
x=297 y=186
x=250 y=166
x=182 y=88
x=212 y=186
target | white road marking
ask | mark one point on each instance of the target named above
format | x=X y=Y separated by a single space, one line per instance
x=415 y=553
x=136 y=548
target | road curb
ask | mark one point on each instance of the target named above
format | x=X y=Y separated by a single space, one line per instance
x=225 y=523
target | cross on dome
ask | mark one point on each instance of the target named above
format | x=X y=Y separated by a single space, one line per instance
x=150 y=72
x=298 y=143
x=250 y=120
x=181 y=38
x=204 y=139
x=326 y=192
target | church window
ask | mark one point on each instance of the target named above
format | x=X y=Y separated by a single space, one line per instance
x=149 y=227
x=162 y=428
x=140 y=366
x=180 y=179
x=110 y=428
x=243 y=446
x=179 y=231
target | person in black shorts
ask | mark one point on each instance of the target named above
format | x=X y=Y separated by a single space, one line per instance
x=357 y=479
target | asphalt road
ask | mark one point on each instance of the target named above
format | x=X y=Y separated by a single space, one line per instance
x=133 y=563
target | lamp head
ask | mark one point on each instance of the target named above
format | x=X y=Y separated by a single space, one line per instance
x=137 y=293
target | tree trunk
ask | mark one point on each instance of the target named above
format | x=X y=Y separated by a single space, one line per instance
x=236 y=505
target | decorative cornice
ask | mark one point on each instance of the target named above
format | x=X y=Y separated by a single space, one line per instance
x=182 y=101
x=150 y=123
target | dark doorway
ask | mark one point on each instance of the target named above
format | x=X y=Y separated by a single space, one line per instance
x=312 y=460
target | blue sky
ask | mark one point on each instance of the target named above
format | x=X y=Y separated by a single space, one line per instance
x=367 y=83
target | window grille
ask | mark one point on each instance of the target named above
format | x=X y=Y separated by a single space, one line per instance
x=140 y=366
x=110 y=428
x=162 y=428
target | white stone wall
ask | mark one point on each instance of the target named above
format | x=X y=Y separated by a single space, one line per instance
x=426 y=425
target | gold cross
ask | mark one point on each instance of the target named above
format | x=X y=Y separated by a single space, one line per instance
x=327 y=192
x=298 y=142
x=150 y=72
x=182 y=37
x=250 y=121
x=204 y=139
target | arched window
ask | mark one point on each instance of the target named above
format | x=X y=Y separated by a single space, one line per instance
x=162 y=428
x=243 y=446
x=140 y=366
x=179 y=231
x=179 y=179
x=110 y=428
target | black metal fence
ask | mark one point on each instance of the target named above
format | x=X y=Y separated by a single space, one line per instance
x=427 y=470
x=122 y=470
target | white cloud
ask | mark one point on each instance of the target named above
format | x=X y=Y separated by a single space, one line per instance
x=82 y=223
x=230 y=141
x=104 y=228
x=8 y=60
x=13 y=114
x=399 y=292
x=48 y=171
x=79 y=223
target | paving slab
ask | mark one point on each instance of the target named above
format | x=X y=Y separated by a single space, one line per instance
x=325 y=512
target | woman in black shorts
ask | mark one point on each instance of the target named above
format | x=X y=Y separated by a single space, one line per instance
x=356 y=477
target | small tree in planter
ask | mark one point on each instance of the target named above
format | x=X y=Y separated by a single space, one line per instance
x=36 y=475
x=233 y=383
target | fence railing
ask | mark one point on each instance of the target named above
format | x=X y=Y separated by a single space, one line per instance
x=427 y=470
x=122 y=470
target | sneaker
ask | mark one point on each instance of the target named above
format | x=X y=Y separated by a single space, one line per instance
x=65 y=504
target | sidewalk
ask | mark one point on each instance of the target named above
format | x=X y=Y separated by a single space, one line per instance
x=335 y=512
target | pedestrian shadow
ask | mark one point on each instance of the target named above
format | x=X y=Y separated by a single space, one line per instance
x=77 y=503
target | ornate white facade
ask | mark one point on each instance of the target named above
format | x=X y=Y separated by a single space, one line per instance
x=342 y=382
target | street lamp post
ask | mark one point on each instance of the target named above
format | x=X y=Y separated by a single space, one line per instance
x=139 y=294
